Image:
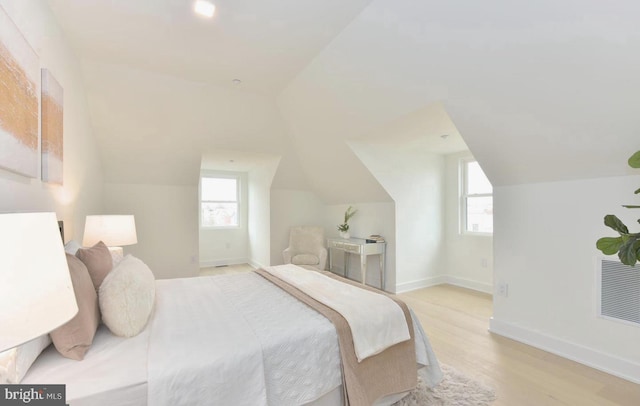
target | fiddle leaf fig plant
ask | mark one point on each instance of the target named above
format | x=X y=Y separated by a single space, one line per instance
x=627 y=245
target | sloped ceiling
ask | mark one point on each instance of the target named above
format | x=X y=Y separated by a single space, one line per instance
x=540 y=91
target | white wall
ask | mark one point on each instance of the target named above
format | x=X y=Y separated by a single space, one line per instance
x=292 y=208
x=259 y=229
x=225 y=246
x=415 y=180
x=544 y=243
x=81 y=193
x=166 y=222
x=469 y=258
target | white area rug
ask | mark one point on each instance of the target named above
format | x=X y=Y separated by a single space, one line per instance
x=454 y=390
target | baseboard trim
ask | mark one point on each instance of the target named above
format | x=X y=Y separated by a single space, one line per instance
x=442 y=279
x=420 y=283
x=256 y=264
x=610 y=364
x=224 y=261
x=469 y=284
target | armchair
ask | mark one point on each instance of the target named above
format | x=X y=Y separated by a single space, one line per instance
x=306 y=247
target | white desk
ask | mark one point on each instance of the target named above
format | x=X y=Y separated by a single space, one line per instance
x=360 y=247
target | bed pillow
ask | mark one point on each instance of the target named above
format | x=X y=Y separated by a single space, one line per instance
x=98 y=261
x=305 y=259
x=127 y=297
x=74 y=338
x=15 y=362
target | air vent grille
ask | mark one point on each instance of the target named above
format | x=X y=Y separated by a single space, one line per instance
x=620 y=291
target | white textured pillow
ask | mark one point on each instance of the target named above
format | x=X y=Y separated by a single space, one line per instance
x=127 y=296
x=15 y=362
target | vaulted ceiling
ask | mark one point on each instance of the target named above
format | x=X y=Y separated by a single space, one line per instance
x=540 y=91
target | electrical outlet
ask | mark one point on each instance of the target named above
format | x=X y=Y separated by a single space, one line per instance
x=503 y=289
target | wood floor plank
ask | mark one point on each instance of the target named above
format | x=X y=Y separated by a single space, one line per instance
x=457 y=320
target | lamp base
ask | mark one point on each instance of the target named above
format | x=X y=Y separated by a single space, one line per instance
x=117 y=251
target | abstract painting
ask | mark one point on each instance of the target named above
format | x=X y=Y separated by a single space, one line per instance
x=52 y=108
x=19 y=100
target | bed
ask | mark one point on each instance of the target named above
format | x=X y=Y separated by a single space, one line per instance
x=217 y=340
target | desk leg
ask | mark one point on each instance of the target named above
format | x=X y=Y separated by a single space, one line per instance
x=363 y=268
x=382 y=273
x=346 y=264
x=329 y=252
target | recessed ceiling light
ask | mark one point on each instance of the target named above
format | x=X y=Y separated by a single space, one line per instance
x=204 y=8
x=444 y=136
x=236 y=81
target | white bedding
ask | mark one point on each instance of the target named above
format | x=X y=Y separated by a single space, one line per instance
x=270 y=351
x=229 y=339
x=114 y=371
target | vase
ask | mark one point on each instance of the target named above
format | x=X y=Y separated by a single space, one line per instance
x=345 y=235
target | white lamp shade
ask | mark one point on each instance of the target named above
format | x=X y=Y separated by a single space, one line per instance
x=112 y=230
x=36 y=292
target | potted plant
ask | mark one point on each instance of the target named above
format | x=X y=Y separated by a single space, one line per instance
x=344 y=227
x=627 y=245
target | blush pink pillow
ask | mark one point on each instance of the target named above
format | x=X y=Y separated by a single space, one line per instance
x=74 y=338
x=98 y=261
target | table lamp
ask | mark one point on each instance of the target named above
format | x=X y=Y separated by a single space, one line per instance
x=113 y=230
x=36 y=292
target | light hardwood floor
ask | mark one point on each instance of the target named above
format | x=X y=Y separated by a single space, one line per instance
x=456 y=321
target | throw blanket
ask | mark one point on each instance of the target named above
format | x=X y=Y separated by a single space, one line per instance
x=391 y=371
x=376 y=321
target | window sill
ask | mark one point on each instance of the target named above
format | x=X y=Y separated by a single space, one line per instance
x=220 y=227
x=476 y=234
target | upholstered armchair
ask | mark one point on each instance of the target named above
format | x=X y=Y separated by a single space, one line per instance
x=306 y=247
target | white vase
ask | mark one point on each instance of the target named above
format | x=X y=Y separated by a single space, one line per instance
x=345 y=235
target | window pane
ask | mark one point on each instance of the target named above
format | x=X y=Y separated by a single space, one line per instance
x=480 y=214
x=220 y=189
x=477 y=181
x=219 y=214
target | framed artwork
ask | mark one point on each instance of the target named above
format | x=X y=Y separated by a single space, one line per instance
x=52 y=108
x=19 y=100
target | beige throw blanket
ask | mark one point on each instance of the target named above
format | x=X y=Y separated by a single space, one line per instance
x=376 y=321
x=392 y=371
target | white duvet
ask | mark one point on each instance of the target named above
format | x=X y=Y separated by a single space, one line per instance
x=238 y=340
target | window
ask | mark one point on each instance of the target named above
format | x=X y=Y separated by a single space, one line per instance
x=477 y=200
x=219 y=201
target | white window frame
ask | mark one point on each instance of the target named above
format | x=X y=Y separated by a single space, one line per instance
x=464 y=196
x=218 y=175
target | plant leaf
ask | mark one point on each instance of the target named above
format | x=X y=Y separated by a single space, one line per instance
x=609 y=245
x=630 y=206
x=614 y=222
x=628 y=251
x=634 y=161
x=637 y=191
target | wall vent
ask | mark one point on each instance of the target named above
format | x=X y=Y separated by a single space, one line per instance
x=620 y=291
